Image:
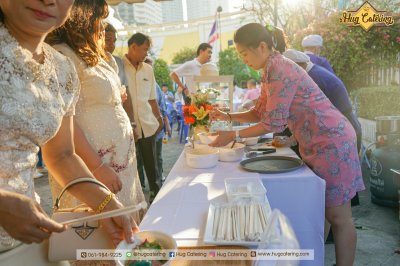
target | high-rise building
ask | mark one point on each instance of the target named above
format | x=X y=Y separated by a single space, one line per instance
x=145 y=13
x=172 y=11
x=199 y=9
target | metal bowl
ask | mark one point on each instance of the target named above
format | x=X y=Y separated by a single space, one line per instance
x=387 y=124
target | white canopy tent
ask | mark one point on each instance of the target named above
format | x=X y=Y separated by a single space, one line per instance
x=113 y=20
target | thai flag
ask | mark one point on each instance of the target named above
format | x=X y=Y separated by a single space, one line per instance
x=213 y=36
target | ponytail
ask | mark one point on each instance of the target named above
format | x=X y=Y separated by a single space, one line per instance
x=278 y=40
x=250 y=35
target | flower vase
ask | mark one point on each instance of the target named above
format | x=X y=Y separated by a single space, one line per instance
x=199 y=129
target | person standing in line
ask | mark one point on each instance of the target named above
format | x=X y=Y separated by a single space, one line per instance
x=312 y=45
x=192 y=68
x=38 y=91
x=146 y=113
x=169 y=96
x=109 y=40
x=160 y=137
x=103 y=134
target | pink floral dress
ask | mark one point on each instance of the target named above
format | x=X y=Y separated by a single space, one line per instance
x=327 y=141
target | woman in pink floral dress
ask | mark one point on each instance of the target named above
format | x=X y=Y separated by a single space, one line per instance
x=327 y=141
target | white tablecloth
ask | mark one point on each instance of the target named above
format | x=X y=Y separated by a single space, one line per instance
x=181 y=206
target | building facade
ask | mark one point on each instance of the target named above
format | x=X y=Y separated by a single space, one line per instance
x=172 y=11
x=205 y=8
x=146 y=13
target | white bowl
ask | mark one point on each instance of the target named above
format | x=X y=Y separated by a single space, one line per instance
x=251 y=141
x=226 y=154
x=206 y=138
x=201 y=158
x=166 y=242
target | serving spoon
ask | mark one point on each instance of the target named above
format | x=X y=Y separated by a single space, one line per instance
x=253 y=154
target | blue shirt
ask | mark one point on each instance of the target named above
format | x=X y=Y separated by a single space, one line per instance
x=163 y=108
x=121 y=70
x=335 y=90
x=321 y=61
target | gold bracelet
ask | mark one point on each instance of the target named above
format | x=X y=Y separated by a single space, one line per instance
x=97 y=168
x=106 y=200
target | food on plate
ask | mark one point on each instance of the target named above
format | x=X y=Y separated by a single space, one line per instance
x=146 y=245
x=283 y=141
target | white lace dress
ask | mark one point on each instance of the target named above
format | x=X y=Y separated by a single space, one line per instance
x=100 y=115
x=34 y=98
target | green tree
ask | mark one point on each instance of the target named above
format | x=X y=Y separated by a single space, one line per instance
x=185 y=54
x=231 y=64
x=161 y=72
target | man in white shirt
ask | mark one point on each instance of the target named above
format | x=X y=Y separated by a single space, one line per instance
x=144 y=107
x=192 y=68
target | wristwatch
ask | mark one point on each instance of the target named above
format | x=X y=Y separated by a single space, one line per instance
x=237 y=136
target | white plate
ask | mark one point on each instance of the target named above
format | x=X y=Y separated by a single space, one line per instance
x=208 y=238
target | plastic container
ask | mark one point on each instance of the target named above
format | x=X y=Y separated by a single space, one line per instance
x=245 y=188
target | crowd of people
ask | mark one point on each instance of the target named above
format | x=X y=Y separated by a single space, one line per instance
x=93 y=114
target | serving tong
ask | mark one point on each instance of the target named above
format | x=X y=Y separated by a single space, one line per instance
x=260 y=151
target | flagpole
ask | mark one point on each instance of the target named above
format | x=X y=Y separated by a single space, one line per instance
x=219 y=10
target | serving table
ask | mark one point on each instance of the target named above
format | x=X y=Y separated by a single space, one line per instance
x=181 y=207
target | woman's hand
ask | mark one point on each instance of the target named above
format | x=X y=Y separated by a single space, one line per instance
x=120 y=227
x=224 y=137
x=216 y=114
x=106 y=175
x=24 y=219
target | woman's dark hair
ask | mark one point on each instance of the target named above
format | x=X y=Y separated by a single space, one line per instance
x=203 y=46
x=109 y=28
x=252 y=34
x=83 y=29
x=139 y=39
x=1 y=16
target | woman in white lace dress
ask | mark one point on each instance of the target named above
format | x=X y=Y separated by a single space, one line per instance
x=38 y=91
x=104 y=138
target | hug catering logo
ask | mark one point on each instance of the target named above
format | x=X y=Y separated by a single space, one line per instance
x=366 y=17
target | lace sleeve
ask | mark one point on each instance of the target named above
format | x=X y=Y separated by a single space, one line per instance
x=72 y=91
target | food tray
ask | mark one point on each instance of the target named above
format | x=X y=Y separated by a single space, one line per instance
x=271 y=164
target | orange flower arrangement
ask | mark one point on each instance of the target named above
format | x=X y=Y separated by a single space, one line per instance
x=197 y=113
